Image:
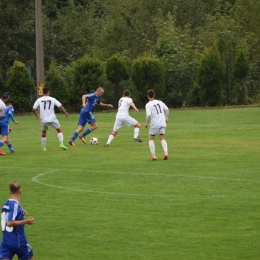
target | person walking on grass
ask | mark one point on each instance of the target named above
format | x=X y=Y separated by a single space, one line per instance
x=47 y=116
x=123 y=118
x=9 y=114
x=14 y=241
x=86 y=115
x=157 y=114
x=3 y=124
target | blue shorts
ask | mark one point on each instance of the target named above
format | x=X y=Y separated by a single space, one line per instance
x=4 y=128
x=86 y=118
x=23 y=252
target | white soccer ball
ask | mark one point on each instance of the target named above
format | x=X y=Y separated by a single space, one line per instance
x=93 y=140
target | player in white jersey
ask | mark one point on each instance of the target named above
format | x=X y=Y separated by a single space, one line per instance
x=123 y=118
x=3 y=124
x=157 y=114
x=47 y=116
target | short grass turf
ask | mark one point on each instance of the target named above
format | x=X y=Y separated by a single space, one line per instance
x=92 y=202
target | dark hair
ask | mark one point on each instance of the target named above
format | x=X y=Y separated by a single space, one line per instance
x=150 y=93
x=5 y=96
x=46 y=90
x=14 y=187
x=126 y=93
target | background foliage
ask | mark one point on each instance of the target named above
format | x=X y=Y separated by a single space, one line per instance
x=178 y=33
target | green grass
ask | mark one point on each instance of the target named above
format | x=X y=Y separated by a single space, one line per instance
x=91 y=202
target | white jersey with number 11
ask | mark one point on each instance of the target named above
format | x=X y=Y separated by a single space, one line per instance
x=156 y=110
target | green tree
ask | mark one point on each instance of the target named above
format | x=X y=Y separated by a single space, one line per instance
x=20 y=86
x=240 y=72
x=17 y=33
x=87 y=75
x=210 y=78
x=57 y=84
x=148 y=73
x=116 y=72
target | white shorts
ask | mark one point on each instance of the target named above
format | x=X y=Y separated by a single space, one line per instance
x=124 y=120
x=155 y=131
x=54 y=124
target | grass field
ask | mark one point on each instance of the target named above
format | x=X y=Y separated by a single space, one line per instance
x=91 y=202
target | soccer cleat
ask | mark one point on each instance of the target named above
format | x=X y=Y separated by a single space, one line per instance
x=72 y=143
x=106 y=145
x=2 y=153
x=165 y=157
x=44 y=149
x=154 y=158
x=138 y=140
x=82 y=139
x=62 y=146
x=12 y=150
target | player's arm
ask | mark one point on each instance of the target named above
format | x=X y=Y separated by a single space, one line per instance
x=132 y=104
x=148 y=116
x=166 y=112
x=105 y=105
x=35 y=112
x=10 y=114
x=84 y=98
x=15 y=223
x=64 y=111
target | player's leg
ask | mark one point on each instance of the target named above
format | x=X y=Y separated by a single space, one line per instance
x=110 y=138
x=136 y=132
x=56 y=125
x=164 y=143
x=117 y=125
x=44 y=140
x=4 y=132
x=152 y=146
x=76 y=134
x=10 y=146
x=93 y=125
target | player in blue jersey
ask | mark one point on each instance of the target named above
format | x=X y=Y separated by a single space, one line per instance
x=3 y=124
x=9 y=114
x=86 y=115
x=14 y=241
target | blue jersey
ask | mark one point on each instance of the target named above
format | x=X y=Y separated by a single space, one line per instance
x=92 y=101
x=9 y=114
x=12 y=236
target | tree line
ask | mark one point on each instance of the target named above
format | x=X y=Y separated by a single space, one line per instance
x=193 y=52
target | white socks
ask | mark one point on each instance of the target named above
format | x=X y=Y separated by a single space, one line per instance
x=60 y=137
x=136 y=132
x=164 y=146
x=110 y=139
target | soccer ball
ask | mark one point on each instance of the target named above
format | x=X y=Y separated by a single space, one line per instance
x=93 y=140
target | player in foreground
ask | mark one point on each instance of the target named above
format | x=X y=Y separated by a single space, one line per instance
x=157 y=114
x=86 y=115
x=14 y=241
x=47 y=116
x=9 y=114
x=123 y=118
x=3 y=124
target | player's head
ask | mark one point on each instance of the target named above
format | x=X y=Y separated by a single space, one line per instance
x=46 y=91
x=15 y=188
x=5 y=96
x=99 y=91
x=126 y=93
x=8 y=104
x=150 y=93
